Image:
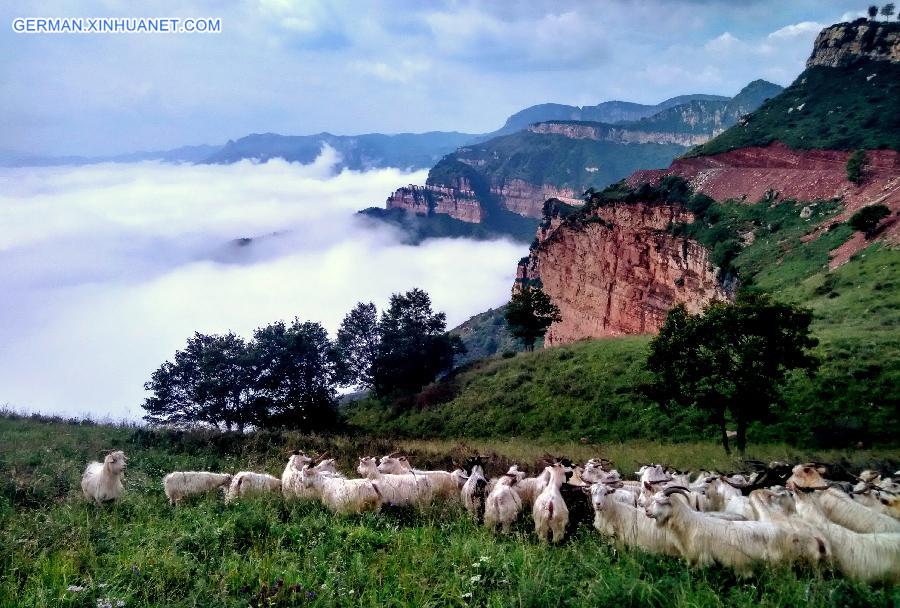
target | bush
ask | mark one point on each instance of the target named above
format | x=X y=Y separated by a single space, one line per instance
x=867 y=219
x=856 y=166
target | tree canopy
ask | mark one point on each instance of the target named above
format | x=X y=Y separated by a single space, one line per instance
x=530 y=313
x=285 y=377
x=730 y=361
x=414 y=346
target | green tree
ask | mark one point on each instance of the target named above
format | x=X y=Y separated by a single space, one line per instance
x=731 y=361
x=873 y=11
x=887 y=10
x=295 y=376
x=357 y=343
x=529 y=313
x=856 y=166
x=207 y=383
x=414 y=346
x=866 y=220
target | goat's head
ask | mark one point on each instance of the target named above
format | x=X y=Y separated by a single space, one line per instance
x=395 y=464
x=661 y=504
x=808 y=476
x=367 y=464
x=116 y=461
x=298 y=460
x=326 y=465
x=600 y=495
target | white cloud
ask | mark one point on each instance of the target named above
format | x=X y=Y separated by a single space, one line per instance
x=804 y=29
x=108 y=269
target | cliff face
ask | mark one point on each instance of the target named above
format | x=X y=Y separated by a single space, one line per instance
x=620 y=271
x=458 y=203
x=844 y=44
x=601 y=132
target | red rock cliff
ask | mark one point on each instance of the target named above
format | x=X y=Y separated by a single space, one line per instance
x=805 y=175
x=620 y=271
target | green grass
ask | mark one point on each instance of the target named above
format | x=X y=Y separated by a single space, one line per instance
x=204 y=553
x=825 y=108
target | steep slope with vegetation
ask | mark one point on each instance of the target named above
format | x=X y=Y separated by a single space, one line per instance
x=595 y=388
x=842 y=101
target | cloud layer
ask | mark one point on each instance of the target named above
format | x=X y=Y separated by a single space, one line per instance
x=108 y=269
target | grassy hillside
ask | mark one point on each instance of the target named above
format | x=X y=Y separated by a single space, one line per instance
x=268 y=552
x=828 y=108
x=593 y=388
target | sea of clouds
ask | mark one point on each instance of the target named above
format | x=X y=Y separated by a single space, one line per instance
x=105 y=270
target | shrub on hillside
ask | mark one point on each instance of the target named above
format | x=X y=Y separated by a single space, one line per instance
x=866 y=220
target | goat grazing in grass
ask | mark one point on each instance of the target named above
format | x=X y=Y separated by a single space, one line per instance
x=179 y=485
x=246 y=483
x=342 y=495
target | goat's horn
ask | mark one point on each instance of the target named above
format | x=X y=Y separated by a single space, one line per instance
x=675 y=489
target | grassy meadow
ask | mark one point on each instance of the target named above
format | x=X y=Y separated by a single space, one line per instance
x=268 y=552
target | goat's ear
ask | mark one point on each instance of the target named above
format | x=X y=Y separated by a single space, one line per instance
x=648 y=486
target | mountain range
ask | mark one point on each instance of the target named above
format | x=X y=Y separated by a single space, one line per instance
x=497 y=187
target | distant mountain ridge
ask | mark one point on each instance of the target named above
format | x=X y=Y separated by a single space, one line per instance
x=502 y=183
x=358 y=152
x=608 y=112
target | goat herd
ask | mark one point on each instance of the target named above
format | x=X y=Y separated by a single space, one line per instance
x=780 y=514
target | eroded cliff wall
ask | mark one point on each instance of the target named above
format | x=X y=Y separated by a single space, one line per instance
x=620 y=271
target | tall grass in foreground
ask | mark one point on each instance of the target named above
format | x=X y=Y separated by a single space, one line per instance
x=266 y=552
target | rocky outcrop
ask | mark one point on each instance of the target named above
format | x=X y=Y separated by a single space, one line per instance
x=619 y=271
x=527 y=199
x=844 y=44
x=515 y=195
x=602 y=132
x=460 y=204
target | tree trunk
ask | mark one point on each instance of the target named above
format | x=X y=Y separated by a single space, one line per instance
x=724 y=432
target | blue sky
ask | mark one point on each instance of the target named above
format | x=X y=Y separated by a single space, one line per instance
x=299 y=67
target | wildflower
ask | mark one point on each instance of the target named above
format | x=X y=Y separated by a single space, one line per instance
x=120 y=603
x=484 y=558
x=475 y=579
x=74 y=588
x=467 y=595
x=104 y=603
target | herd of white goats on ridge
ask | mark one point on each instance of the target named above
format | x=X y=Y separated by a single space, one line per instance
x=738 y=521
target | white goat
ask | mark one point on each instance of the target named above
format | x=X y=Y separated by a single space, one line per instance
x=502 y=504
x=528 y=488
x=863 y=557
x=842 y=510
x=444 y=485
x=629 y=525
x=341 y=495
x=179 y=485
x=246 y=483
x=474 y=492
x=398 y=490
x=291 y=482
x=740 y=545
x=102 y=481
x=550 y=513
